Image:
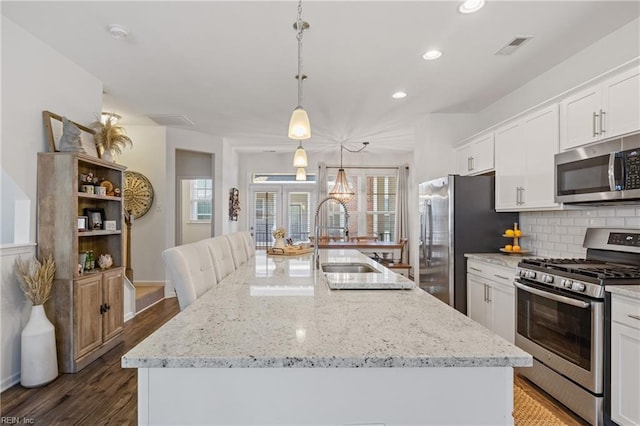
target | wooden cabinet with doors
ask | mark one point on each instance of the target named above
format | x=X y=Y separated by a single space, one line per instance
x=477 y=156
x=491 y=297
x=524 y=154
x=86 y=306
x=600 y=111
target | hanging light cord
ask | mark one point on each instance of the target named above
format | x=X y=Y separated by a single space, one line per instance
x=364 y=145
x=300 y=27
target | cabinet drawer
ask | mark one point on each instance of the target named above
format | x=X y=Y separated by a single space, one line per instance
x=625 y=311
x=495 y=273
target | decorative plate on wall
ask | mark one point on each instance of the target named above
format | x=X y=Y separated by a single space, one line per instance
x=138 y=193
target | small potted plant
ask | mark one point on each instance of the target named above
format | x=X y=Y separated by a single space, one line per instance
x=111 y=138
x=38 y=359
x=279 y=235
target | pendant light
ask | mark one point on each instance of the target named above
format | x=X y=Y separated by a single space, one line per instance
x=301 y=174
x=299 y=126
x=341 y=189
x=300 y=157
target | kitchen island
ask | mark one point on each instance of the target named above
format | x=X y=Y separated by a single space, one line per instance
x=272 y=344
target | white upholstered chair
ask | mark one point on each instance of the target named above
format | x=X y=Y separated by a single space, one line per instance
x=249 y=244
x=220 y=252
x=238 y=251
x=192 y=270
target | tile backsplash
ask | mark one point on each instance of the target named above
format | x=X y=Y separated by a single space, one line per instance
x=561 y=233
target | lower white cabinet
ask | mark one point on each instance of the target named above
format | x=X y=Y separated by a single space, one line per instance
x=491 y=297
x=625 y=360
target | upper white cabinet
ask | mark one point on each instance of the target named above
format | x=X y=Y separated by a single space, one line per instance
x=524 y=162
x=477 y=156
x=601 y=111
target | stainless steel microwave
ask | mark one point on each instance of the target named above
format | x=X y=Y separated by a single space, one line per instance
x=603 y=172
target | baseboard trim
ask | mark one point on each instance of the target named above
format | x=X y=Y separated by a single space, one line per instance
x=10 y=381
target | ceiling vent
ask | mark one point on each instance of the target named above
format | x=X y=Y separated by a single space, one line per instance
x=514 y=44
x=171 y=120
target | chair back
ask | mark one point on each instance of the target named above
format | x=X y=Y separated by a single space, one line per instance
x=192 y=270
x=238 y=250
x=220 y=252
x=249 y=244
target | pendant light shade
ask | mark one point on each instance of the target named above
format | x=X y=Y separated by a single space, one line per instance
x=299 y=127
x=300 y=157
x=301 y=174
x=341 y=189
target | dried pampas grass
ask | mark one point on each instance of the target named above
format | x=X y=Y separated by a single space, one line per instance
x=36 y=279
x=111 y=137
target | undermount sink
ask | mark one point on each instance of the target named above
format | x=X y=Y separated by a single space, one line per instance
x=348 y=268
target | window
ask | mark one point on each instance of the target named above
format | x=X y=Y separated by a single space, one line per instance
x=200 y=204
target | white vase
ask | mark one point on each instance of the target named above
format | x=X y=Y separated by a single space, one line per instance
x=107 y=156
x=38 y=359
x=280 y=243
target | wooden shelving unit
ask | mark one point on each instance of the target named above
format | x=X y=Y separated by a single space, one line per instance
x=86 y=307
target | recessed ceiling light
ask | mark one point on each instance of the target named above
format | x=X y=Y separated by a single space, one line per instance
x=431 y=55
x=470 y=6
x=399 y=95
x=118 y=31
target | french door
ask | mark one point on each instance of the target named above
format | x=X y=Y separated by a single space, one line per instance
x=287 y=206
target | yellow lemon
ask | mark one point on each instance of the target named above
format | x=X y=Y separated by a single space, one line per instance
x=509 y=233
x=516 y=248
x=508 y=247
x=517 y=233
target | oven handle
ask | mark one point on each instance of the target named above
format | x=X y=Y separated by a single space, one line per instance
x=555 y=297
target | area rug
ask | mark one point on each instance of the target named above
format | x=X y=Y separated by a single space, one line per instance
x=529 y=412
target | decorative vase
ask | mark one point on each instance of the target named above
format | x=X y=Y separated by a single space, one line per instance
x=107 y=156
x=280 y=243
x=38 y=359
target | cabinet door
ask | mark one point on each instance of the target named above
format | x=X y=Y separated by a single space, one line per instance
x=463 y=160
x=625 y=371
x=476 y=300
x=483 y=154
x=580 y=124
x=88 y=324
x=510 y=165
x=502 y=311
x=113 y=296
x=541 y=144
x=621 y=104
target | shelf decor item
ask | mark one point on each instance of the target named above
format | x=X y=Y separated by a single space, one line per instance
x=138 y=194
x=234 y=204
x=53 y=124
x=110 y=138
x=279 y=235
x=38 y=358
x=514 y=248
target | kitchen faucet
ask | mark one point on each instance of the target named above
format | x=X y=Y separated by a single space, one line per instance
x=316 y=241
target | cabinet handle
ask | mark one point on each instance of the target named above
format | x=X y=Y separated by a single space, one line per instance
x=107 y=307
x=500 y=276
x=602 y=113
x=488 y=294
x=468 y=164
x=102 y=309
x=473 y=166
x=485 y=292
x=636 y=317
x=475 y=269
x=595 y=130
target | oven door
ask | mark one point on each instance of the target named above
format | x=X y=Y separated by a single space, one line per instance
x=564 y=332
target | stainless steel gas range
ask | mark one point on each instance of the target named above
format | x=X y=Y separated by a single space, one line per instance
x=560 y=317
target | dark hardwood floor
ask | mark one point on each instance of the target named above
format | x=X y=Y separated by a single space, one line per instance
x=106 y=394
x=101 y=394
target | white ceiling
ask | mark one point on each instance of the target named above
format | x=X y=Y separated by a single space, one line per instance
x=230 y=66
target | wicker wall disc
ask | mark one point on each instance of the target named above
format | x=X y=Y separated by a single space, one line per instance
x=138 y=193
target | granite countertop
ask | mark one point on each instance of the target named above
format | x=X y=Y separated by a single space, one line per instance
x=632 y=291
x=273 y=313
x=508 y=260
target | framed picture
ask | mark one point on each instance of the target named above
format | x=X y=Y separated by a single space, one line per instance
x=109 y=225
x=53 y=127
x=83 y=223
x=96 y=218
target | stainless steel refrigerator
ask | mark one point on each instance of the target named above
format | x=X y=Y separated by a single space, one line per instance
x=457 y=216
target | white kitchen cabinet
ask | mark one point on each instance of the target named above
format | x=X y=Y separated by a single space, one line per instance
x=625 y=360
x=491 y=297
x=524 y=154
x=477 y=156
x=601 y=111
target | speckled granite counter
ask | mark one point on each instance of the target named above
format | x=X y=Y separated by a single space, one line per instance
x=238 y=324
x=508 y=260
x=632 y=291
x=272 y=344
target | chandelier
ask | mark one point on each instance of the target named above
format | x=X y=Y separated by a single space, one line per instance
x=341 y=189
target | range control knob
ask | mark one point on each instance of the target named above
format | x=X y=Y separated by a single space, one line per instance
x=566 y=283
x=547 y=279
x=531 y=275
x=578 y=287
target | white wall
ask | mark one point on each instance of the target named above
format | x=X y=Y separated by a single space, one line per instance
x=148 y=156
x=34 y=78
